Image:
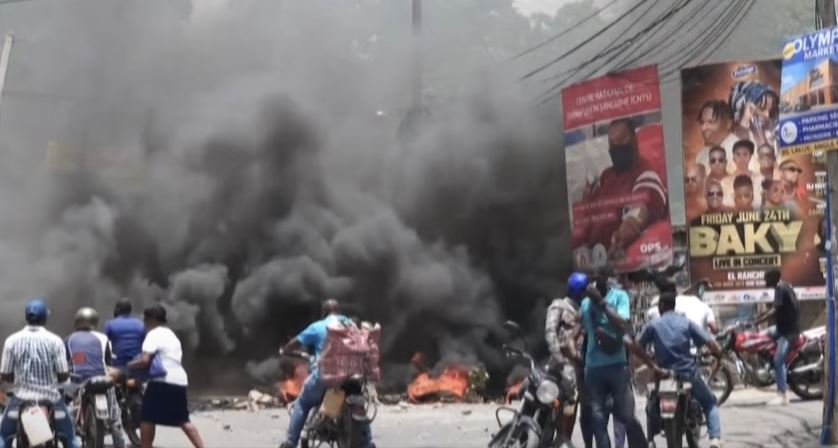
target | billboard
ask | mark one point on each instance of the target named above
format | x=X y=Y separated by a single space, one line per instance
x=616 y=172
x=748 y=208
x=809 y=93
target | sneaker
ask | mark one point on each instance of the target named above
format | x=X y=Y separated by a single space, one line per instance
x=777 y=401
x=715 y=443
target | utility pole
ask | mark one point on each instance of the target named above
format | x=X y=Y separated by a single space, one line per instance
x=417 y=54
x=825 y=18
x=5 y=56
x=412 y=121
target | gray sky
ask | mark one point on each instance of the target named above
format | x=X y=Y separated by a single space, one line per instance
x=548 y=6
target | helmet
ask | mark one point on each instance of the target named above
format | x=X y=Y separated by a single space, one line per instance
x=36 y=311
x=87 y=318
x=577 y=283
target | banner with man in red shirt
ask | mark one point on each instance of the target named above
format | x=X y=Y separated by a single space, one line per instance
x=616 y=172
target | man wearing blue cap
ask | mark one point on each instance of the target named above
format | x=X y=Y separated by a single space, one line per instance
x=35 y=360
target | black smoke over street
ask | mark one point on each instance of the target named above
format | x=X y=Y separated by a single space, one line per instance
x=243 y=167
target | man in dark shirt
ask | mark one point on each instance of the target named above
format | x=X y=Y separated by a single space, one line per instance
x=786 y=315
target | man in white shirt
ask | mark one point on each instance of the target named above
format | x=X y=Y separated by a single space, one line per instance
x=689 y=305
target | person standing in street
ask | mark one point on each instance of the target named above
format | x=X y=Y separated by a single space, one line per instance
x=562 y=334
x=164 y=402
x=785 y=313
x=605 y=318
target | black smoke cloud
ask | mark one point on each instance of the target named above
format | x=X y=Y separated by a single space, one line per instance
x=267 y=181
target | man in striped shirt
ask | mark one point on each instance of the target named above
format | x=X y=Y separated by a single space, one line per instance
x=34 y=359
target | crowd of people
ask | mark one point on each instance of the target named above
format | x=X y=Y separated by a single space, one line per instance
x=38 y=362
x=588 y=332
x=591 y=330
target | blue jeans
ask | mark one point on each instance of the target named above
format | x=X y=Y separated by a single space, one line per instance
x=586 y=424
x=310 y=398
x=64 y=426
x=614 y=382
x=702 y=393
x=783 y=347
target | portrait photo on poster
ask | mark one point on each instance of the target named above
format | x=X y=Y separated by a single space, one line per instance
x=617 y=187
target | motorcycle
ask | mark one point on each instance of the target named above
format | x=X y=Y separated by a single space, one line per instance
x=342 y=414
x=545 y=397
x=753 y=352
x=129 y=395
x=672 y=410
x=35 y=424
x=91 y=410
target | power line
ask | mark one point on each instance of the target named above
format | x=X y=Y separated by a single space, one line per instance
x=559 y=35
x=682 y=28
x=551 y=92
x=725 y=24
x=715 y=42
x=613 y=46
x=583 y=43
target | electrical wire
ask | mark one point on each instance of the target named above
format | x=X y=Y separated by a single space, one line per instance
x=552 y=91
x=714 y=44
x=615 y=45
x=556 y=37
x=683 y=28
x=583 y=43
x=725 y=23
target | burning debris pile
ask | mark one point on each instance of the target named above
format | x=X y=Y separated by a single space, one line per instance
x=454 y=383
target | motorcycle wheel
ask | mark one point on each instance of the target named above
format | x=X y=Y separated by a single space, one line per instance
x=696 y=422
x=131 y=417
x=674 y=432
x=350 y=431
x=527 y=439
x=721 y=383
x=94 y=429
x=809 y=385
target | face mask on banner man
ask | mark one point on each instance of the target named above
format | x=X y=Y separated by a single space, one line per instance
x=622 y=146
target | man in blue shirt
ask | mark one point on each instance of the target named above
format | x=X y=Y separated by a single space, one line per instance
x=126 y=334
x=605 y=318
x=671 y=335
x=313 y=338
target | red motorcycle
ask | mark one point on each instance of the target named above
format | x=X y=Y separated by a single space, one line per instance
x=752 y=352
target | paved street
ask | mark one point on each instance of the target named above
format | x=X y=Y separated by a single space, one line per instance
x=746 y=423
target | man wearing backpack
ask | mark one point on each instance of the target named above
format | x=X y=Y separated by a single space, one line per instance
x=605 y=318
x=313 y=338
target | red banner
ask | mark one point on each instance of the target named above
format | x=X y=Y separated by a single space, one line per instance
x=616 y=172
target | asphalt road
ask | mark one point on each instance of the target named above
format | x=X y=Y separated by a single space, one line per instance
x=746 y=423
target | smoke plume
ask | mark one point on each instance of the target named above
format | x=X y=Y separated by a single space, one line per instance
x=241 y=166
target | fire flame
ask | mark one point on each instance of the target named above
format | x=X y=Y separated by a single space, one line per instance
x=289 y=389
x=452 y=383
